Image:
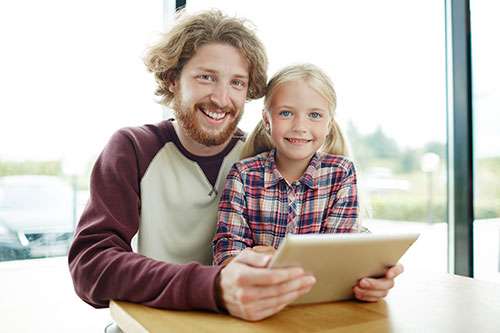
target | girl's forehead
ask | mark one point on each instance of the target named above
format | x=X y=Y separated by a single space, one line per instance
x=300 y=94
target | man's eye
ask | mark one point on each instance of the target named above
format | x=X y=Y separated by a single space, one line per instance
x=239 y=83
x=315 y=115
x=206 y=77
x=285 y=113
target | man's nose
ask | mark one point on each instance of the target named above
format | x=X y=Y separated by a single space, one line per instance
x=220 y=95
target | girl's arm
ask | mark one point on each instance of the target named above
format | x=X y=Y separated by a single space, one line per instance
x=233 y=233
x=344 y=209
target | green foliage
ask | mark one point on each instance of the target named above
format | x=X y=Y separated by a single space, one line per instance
x=407 y=208
x=49 y=168
x=381 y=145
x=413 y=208
x=408 y=161
x=437 y=148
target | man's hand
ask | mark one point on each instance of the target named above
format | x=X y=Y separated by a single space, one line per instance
x=253 y=292
x=373 y=290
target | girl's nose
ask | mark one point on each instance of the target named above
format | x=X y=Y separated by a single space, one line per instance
x=299 y=124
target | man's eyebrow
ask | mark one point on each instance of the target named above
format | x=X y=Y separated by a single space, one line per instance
x=210 y=70
x=205 y=69
x=241 y=76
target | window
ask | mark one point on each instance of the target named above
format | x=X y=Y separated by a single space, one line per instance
x=72 y=74
x=486 y=104
x=387 y=61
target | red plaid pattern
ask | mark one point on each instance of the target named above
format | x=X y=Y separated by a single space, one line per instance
x=259 y=207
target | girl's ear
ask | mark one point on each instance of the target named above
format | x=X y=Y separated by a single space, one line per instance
x=266 y=119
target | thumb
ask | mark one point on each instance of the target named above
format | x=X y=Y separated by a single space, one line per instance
x=252 y=258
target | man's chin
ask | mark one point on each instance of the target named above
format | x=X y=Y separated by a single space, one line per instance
x=212 y=138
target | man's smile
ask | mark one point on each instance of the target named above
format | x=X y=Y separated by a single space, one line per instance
x=213 y=115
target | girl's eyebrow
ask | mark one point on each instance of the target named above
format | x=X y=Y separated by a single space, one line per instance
x=317 y=109
x=285 y=106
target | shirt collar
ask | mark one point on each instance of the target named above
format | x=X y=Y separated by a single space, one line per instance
x=272 y=176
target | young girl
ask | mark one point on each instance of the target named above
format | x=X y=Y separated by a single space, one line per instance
x=300 y=182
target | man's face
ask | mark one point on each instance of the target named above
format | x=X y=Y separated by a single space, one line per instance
x=210 y=93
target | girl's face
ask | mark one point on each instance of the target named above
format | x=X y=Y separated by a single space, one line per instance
x=299 y=120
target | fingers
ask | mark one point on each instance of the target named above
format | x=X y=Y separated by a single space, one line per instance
x=264 y=249
x=254 y=293
x=372 y=290
x=394 y=271
x=376 y=284
x=247 y=267
x=267 y=307
x=253 y=258
x=268 y=277
x=302 y=284
x=369 y=295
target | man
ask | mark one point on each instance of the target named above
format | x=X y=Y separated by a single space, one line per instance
x=162 y=182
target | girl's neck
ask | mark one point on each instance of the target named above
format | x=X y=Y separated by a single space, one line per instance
x=291 y=170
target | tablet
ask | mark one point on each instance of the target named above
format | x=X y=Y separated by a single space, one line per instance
x=338 y=261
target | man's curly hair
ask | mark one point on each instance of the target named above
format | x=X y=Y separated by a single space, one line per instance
x=167 y=58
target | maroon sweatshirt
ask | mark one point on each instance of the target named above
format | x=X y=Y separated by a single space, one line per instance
x=136 y=164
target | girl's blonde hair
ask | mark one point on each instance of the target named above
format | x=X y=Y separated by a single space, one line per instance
x=260 y=140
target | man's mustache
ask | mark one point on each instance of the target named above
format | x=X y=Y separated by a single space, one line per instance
x=210 y=106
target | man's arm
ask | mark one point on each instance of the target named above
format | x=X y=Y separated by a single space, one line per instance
x=101 y=261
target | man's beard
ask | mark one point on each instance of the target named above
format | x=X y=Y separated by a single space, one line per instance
x=186 y=116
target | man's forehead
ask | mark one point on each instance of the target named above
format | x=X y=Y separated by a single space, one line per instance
x=220 y=58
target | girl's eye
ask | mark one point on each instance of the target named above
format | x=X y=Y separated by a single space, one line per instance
x=285 y=113
x=315 y=115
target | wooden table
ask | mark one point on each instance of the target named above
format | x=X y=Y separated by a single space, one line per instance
x=437 y=303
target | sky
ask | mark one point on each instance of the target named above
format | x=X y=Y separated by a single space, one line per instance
x=72 y=72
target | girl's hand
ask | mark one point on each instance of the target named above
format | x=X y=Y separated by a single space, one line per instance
x=373 y=290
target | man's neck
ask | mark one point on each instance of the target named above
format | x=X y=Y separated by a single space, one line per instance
x=195 y=147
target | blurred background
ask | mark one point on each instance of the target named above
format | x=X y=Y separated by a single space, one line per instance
x=72 y=74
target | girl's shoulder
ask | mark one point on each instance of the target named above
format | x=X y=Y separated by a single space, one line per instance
x=328 y=161
x=254 y=163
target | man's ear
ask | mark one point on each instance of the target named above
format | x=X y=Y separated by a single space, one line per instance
x=171 y=78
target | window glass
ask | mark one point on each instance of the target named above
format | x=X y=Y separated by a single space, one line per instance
x=486 y=105
x=72 y=74
x=387 y=62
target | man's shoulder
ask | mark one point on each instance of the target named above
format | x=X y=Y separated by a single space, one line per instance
x=135 y=147
x=159 y=132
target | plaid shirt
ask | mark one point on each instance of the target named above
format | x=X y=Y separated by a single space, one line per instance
x=259 y=207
